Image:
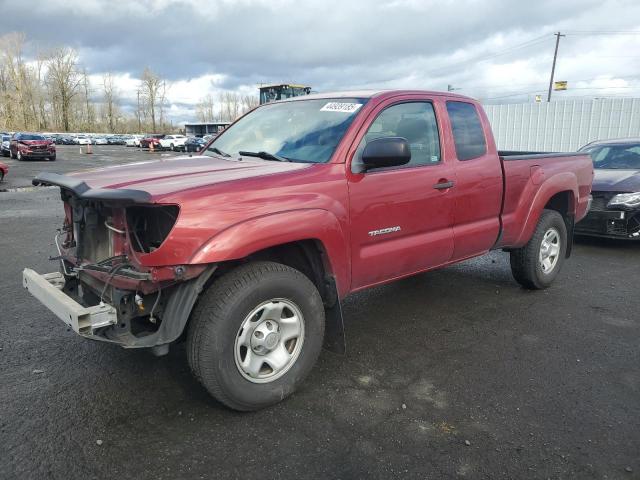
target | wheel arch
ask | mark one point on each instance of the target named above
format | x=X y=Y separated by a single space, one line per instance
x=557 y=193
x=313 y=234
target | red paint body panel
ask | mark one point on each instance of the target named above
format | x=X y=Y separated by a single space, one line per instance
x=230 y=209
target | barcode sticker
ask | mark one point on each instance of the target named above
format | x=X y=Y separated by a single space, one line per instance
x=341 y=107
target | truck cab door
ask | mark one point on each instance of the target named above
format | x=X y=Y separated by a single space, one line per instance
x=477 y=200
x=401 y=217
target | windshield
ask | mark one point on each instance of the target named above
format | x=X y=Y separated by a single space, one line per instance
x=625 y=156
x=31 y=137
x=299 y=131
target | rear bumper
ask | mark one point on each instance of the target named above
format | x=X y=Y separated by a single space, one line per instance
x=84 y=321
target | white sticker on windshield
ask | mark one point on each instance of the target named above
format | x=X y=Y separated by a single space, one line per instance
x=341 y=107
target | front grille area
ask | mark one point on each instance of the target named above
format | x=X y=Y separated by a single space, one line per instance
x=603 y=221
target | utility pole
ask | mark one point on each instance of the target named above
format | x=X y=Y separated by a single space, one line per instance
x=553 y=66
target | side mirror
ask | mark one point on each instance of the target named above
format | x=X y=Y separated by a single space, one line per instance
x=386 y=152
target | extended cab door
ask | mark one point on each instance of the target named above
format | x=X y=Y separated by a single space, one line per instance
x=401 y=217
x=479 y=184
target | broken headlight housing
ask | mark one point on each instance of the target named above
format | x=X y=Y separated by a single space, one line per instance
x=629 y=200
x=149 y=226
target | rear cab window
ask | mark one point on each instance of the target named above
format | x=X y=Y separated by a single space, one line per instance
x=466 y=127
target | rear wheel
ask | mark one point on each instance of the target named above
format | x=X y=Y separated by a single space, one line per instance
x=256 y=334
x=537 y=264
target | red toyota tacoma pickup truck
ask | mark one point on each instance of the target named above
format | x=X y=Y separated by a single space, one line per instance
x=247 y=249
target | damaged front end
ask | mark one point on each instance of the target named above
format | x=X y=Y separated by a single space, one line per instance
x=608 y=217
x=105 y=289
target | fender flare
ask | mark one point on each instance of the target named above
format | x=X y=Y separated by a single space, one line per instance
x=560 y=182
x=249 y=236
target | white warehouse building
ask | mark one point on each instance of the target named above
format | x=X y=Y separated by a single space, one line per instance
x=565 y=125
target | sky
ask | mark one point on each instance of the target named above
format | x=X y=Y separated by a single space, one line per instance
x=499 y=51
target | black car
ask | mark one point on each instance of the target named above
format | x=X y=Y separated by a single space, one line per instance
x=194 y=144
x=64 y=140
x=4 y=149
x=116 y=140
x=615 y=209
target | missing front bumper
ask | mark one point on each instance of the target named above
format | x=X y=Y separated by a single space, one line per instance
x=83 y=320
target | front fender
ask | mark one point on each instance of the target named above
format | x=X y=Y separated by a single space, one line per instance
x=250 y=236
x=561 y=182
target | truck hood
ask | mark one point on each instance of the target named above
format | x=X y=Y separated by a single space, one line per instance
x=616 y=180
x=34 y=143
x=171 y=175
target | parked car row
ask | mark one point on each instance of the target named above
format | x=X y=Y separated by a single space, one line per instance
x=175 y=143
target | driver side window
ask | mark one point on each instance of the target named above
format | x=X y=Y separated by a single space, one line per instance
x=414 y=121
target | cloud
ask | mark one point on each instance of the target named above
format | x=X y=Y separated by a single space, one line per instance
x=208 y=47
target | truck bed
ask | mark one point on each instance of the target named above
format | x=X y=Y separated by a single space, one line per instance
x=527 y=175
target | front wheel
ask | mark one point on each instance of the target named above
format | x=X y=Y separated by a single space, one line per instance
x=537 y=264
x=256 y=334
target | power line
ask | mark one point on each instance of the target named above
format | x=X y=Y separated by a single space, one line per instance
x=537 y=92
x=543 y=84
x=484 y=58
x=603 y=32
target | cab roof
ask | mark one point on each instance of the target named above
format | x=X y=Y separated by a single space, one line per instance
x=372 y=94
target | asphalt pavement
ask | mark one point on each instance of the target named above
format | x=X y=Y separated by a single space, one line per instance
x=457 y=373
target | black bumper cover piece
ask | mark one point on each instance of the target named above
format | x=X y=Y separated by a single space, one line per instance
x=84 y=192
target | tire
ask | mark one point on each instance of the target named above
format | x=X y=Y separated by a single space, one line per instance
x=13 y=156
x=52 y=159
x=172 y=147
x=5 y=153
x=1 y=176
x=236 y=300
x=526 y=265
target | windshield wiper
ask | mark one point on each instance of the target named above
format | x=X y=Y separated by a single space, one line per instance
x=263 y=155
x=218 y=151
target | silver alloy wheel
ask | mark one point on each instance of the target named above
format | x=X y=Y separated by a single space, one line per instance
x=549 y=250
x=269 y=340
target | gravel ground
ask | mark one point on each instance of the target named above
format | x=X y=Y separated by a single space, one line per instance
x=457 y=373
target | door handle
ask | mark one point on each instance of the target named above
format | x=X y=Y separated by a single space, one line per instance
x=443 y=185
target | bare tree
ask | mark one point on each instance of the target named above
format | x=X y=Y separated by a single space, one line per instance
x=152 y=90
x=205 y=109
x=16 y=72
x=110 y=100
x=89 y=113
x=229 y=106
x=64 y=81
x=249 y=102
